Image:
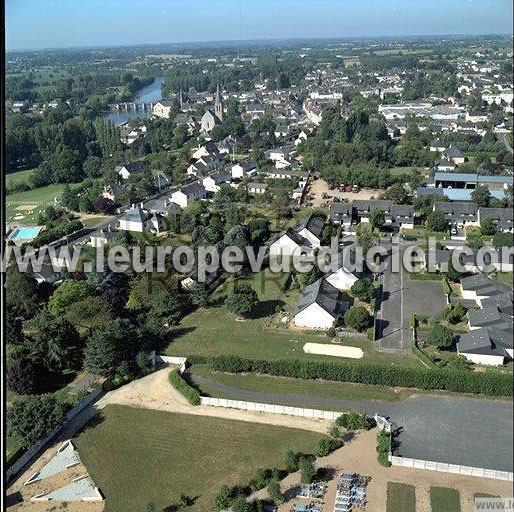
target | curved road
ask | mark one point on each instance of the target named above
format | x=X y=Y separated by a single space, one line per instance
x=458 y=430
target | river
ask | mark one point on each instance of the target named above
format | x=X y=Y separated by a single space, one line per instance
x=150 y=93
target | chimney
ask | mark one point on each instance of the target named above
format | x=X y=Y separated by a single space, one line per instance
x=141 y=205
x=133 y=206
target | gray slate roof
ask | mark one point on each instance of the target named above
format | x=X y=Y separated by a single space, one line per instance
x=322 y=293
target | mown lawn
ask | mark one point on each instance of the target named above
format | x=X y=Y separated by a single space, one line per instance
x=140 y=456
x=297 y=387
x=14 y=178
x=505 y=277
x=401 y=497
x=444 y=499
x=214 y=330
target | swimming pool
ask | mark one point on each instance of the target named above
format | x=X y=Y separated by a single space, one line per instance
x=25 y=233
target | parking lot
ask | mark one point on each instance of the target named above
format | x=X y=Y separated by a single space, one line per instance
x=402 y=296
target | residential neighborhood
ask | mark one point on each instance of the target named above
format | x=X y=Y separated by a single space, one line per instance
x=258 y=270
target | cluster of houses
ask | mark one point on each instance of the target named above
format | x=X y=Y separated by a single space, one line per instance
x=490 y=337
x=458 y=214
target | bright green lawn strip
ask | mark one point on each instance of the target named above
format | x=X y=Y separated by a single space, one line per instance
x=444 y=499
x=505 y=277
x=138 y=456
x=15 y=178
x=41 y=194
x=401 y=497
x=307 y=388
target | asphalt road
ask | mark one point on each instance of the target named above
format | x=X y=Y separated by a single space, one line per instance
x=468 y=431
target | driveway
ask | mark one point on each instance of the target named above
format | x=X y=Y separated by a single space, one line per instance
x=458 y=430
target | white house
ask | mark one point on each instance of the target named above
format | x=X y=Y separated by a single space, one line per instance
x=319 y=306
x=188 y=193
x=140 y=220
x=311 y=228
x=162 y=109
x=208 y=149
x=340 y=277
x=486 y=346
x=290 y=243
x=257 y=188
x=101 y=237
x=213 y=182
x=127 y=170
x=204 y=165
x=244 y=168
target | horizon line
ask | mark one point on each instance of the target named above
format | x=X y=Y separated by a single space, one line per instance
x=257 y=40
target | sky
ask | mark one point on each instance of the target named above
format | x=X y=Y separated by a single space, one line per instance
x=38 y=24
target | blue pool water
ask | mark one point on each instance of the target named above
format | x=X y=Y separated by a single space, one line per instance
x=25 y=232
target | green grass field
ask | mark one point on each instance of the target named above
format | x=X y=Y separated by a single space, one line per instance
x=214 y=330
x=401 y=497
x=141 y=456
x=398 y=171
x=38 y=198
x=14 y=178
x=443 y=499
x=505 y=277
x=304 y=388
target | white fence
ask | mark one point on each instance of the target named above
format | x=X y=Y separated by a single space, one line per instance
x=270 y=408
x=40 y=445
x=449 y=468
x=181 y=361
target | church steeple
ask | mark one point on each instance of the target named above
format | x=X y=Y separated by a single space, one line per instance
x=218 y=104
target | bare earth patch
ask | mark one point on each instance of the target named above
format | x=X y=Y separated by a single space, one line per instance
x=333 y=350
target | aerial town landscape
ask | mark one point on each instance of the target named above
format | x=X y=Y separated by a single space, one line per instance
x=255 y=273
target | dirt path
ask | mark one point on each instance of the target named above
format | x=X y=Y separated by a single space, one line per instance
x=155 y=392
x=359 y=456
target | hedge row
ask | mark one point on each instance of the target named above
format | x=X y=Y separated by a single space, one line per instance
x=176 y=380
x=462 y=381
x=59 y=231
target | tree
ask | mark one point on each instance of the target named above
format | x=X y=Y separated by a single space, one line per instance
x=109 y=346
x=21 y=293
x=487 y=227
x=365 y=237
x=364 y=290
x=68 y=292
x=326 y=445
x=274 y=491
x=89 y=313
x=503 y=240
x=33 y=417
x=482 y=197
x=307 y=470
x=440 y=336
x=223 y=499
x=242 y=299
x=292 y=461
x=454 y=314
x=376 y=218
x=397 y=193
x=199 y=294
x=13 y=328
x=22 y=376
x=358 y=318
x=241 y=505
x=167 y=308
x=54 y=340
x=436 y=221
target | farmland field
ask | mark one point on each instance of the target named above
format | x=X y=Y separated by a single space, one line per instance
x=141 y=456
x=401 y=497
